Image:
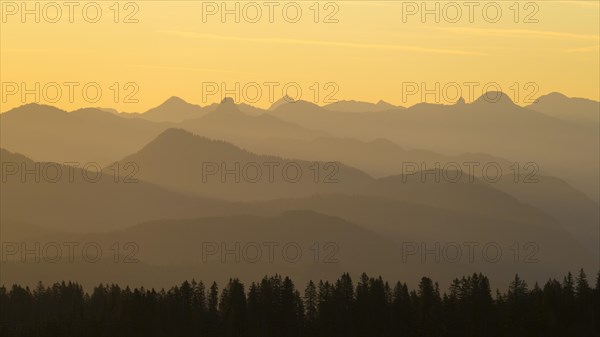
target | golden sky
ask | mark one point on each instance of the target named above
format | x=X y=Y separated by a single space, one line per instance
x=356 y=50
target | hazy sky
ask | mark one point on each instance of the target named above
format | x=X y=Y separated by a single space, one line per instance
x=375 y=50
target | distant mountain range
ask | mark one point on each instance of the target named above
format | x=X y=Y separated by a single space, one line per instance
x=353 y=188
x=545 y=132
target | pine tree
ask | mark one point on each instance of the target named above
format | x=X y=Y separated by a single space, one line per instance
x=429 y=312
x=253 y=316
x=310 y=305
x=232 y=309
x=343 y=299
x=584 y=304
x=517 y=305
x=212 y=315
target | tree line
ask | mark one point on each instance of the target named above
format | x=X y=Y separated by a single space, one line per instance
x=274 y=307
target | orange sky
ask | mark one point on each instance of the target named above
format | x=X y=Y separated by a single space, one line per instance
x=356 y=50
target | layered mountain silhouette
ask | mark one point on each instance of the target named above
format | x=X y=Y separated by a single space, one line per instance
x=181 y=171
x=93 y=135
x=381 y=158
x=492 y=124
x=305 y=173
x=208 y=168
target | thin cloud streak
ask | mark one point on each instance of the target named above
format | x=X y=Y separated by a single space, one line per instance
x=576 y=3
x=517 y=33
x=583 y=49
x=211 y=70
x=323 y=43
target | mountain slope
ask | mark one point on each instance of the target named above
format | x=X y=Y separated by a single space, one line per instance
x=306 y=244
x=174 y=110
x=86 y=135
x=75 y=203
x=226 y=121
x=180 y=160
x=580 y=111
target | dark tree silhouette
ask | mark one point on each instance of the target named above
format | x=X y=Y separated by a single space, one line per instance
x=274 y=307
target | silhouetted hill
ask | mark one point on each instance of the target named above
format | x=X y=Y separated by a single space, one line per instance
x=410 y=221
x=74 y=203
x=282 y=101
x=316 y=245
x=227 y=121
x=86 y=135
x=174 y=110
x=177 y=159
x=287 y=105
x=577 y=213
x=499 y=99
x=580 y=111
